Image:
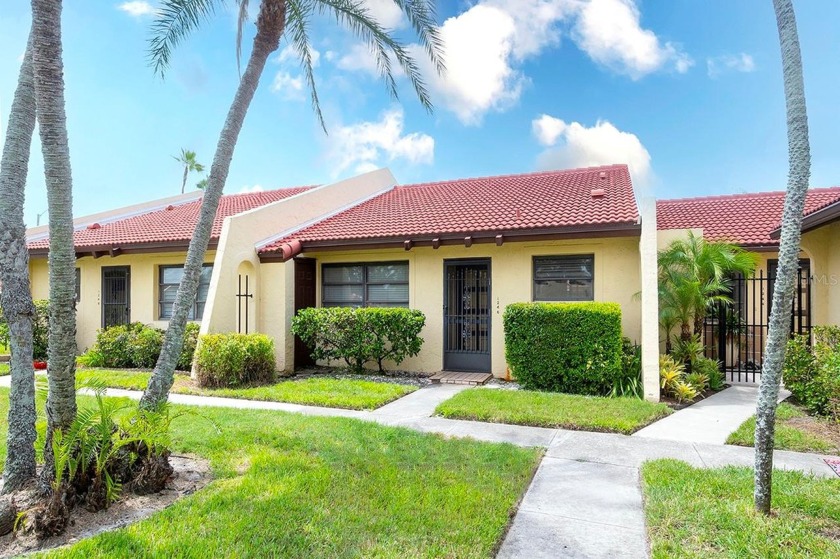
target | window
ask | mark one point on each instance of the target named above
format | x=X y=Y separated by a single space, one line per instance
x=380 y=284
x=170 y=279
x=78 y=284
x=564 y=278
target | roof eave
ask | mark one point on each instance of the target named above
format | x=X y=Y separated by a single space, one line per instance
x=117 y=249
x=467 y=238
x=814 y=220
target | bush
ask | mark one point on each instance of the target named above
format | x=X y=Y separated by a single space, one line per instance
x=359 y=336
x=135 y=346
x=229 y=360
x=629 y=383
x=564 y=347
x=40 y=330
x=185 y=360
x=710 y=369
x=812 y=374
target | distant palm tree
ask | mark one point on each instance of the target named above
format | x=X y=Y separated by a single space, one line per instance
x=52 y=124
x=187 y=158
x=694 y=275
x=276 y=19
x=202 y=184
x=16 y=297
x=799 y=155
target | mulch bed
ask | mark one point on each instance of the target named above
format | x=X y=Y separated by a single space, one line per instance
x=191 y=474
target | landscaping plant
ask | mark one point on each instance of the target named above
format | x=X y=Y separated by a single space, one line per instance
x=564 y=347
x=360 y=336
x=629 y=383
x=812 y=373
x=136 y=346
x=230 y=360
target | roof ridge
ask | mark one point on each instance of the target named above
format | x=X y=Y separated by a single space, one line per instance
x=232 y=194
x=821 y=189
x=517 y=175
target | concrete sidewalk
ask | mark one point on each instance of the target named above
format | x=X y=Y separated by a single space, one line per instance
x=708 y=421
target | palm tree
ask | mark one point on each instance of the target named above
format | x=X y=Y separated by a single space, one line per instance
x=799 y=155
x=694 y=275
x=276 y=18
x=52 y=124
x=16 y=297
x=187 y=158
x=202 y=184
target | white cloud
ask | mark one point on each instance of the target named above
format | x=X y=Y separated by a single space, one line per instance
x=386 y=12
x=362 y=146
x=547 y=129
x=137 y=8
x=573 y=145
x=730 y=63
x=609 y=32
x=290 y=87
x=358 y=58
x=289 y=54
x=251 y=189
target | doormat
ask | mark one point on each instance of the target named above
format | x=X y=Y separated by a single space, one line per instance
x=834 y=464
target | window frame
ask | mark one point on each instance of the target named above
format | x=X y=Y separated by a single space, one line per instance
x=161 y=286
x=535 y=261
x=365 y=283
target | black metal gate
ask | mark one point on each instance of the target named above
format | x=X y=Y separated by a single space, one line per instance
x=116 y=295
x=466 y=315
x=735 y=333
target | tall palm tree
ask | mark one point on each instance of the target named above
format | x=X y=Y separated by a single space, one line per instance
x=276 y=19
x=694 y=275
x=188 y=159
x=799 y=155
x=16 y=297
x=48 y=70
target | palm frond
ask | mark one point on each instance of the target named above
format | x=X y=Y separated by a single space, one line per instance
x=297 y=22
x=357 y=19
x=240 y=24
x=422 y=16
x=176 y=19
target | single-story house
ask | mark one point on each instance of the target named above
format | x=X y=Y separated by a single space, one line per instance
x=459 y=250
x=752 y=221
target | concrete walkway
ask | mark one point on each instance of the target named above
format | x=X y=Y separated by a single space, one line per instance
x=585 y=500
x=708 y=421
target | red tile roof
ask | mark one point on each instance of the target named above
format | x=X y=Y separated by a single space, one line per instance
x=745 y=219
x=592 y=198
x=174 y=224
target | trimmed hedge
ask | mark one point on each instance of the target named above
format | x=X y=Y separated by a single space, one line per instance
x=40 y=329
x=359 y=336
x=136 y=346
x=564 y=347
x=229 y=360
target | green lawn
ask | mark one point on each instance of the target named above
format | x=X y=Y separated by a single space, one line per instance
x=709 y=513
x=333 y=393
x=545 y=409
x=4 y=369
x=295 y=486
x=791 y=433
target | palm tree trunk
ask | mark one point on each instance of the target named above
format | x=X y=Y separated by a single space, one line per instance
x=184 y=181
x=270 y=26
x=16 y=298
x=52 y=124
x=799 y=155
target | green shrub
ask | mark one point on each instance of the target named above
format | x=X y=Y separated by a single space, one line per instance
x=146 y=344
x=4 y=331
x=115 y=345
x=40 y=330
x=711 y=370
x=228 y=360
x=812 y=373
x=629 y=384
x=564 y=347
x=359 y=336
x=185 y=360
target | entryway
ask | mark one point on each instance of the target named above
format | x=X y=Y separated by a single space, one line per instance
x=466 y=315
x=305 y=272
x=116 y=295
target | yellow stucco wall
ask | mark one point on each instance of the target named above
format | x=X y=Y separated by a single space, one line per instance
x=617 y=279
x=144 y=288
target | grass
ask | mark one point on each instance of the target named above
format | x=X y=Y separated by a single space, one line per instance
x=295 y=486
x=545 y=409
x=332 y=393
x=4 y=369
x=791 y=433
x=694 y=513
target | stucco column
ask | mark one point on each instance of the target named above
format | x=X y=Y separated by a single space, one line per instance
x=650 y=301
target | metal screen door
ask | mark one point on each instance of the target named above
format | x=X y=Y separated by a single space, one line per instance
x=466 y=315
x=116 y=295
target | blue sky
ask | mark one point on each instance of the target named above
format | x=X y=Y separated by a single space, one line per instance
x=688 y=93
